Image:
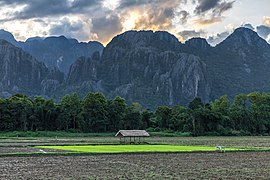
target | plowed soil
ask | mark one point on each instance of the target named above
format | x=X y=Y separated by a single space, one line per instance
x=244 y=165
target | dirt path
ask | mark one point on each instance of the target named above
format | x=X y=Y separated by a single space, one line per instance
x=139 y=166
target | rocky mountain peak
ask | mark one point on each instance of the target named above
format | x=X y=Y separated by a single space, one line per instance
x=142 y=39
x=243 y=37
x=7 y=36
x=37 y=38
x=57 y=40
x=55 y=51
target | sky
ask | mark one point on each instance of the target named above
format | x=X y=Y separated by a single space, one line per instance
x=101 y=20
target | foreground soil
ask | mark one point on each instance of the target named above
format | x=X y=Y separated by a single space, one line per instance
x=244 y=165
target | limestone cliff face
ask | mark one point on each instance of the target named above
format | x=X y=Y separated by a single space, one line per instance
x=143 y=67
x=153 y=73
x=162 y=78
x=83 y=77
x=54 y=79
x=83 y=69
x=21 y=73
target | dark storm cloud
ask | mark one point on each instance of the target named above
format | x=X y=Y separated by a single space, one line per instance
x=216 y=7
x=47 y=8
x=43 y=9
x=13 y=2
x=71 y=29
x=206 y=5
x=65 y=26
x=92 y=19
x=210 y=11
x=131 y=3
x=191 y=33
x=127 y=4
x=106 y=27
x=222 y=7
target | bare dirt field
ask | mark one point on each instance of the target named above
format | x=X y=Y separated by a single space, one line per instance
x=237 y=165
x=248 y=165
x=246 y=141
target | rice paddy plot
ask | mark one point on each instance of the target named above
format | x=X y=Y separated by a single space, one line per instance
x=136 y=148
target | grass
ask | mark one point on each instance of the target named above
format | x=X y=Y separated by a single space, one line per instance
x=32 y=134
x=136 y=148
x=170 y=134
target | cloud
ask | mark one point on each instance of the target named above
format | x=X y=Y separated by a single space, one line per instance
x=266 y=21
x=102 y=19
x=206 y=5
x=72 y=18
x=211 y=11
x=201 y=22
x=263 y=31
x=183 y=16
x=249 y=26
x=132 y=3
x=217 y=7
x=222 y=7
x=45 y=8
x=23 y=29
x=191 y=33
x=72 y=27
x=146 y=14
x=216 y=39
x=106 y=27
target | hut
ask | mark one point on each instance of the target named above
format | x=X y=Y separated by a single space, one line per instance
x=132 y=136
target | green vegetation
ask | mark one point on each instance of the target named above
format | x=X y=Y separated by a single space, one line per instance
x=51 y=134
x=136 y=148
x=248 y=114
x=34 y=146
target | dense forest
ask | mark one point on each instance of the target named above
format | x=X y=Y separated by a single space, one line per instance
x=247 y=114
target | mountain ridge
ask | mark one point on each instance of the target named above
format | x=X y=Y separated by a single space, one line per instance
x=55 y=51
x=154 y=68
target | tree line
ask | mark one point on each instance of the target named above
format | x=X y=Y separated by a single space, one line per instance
x=247 y=114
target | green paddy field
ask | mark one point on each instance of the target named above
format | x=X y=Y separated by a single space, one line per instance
x=138 y=148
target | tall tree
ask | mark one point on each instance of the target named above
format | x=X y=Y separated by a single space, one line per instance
x=163 y=114
x=95 y=113
x=194 y=107
x=117 y=111
x=133 y=118
x=180 y=119
x=70 y=108
x=239 y=113
x=221 y=110
x=20 y=108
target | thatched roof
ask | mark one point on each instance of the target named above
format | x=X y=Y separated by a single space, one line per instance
x=132 y=133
